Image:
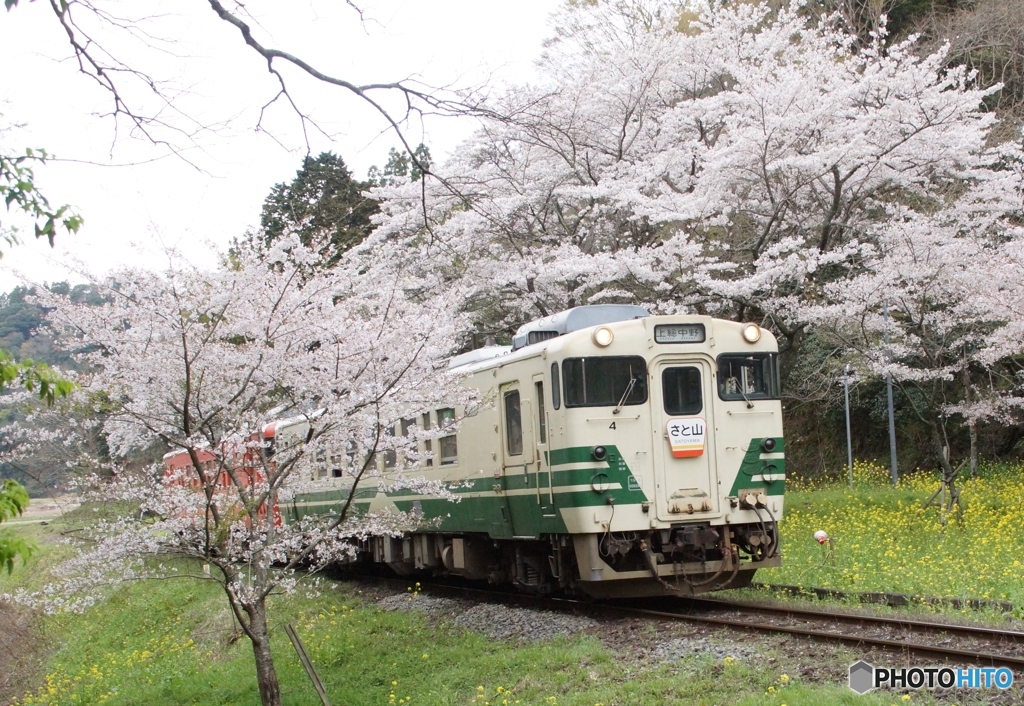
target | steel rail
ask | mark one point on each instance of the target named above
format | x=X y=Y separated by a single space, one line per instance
x=904 y=623
x=972 y=656
x=599 y=610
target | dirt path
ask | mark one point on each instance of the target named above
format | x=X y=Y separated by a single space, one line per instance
x=45 y=509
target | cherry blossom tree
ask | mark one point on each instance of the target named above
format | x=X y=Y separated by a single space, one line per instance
x=195 y=361
x=936 y=306
x=753 y=163
x=729 y=161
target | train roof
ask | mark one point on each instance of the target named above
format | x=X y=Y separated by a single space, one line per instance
x=478 y=355
x=547 y=328
x=575 y=319
x=535 y=337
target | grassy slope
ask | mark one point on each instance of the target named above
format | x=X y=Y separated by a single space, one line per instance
x=164 y=642
x=167 y=642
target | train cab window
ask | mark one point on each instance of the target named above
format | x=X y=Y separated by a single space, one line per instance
x=751 y=376
x=680 y=387
x=556 y=387
x=513 y=424
x=448 y=444
x=540 y=413
x=605 y=381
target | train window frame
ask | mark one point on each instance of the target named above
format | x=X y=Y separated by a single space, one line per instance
x=556 y=387
x=700 y=391
x=769 y=377
x=543 y=428
x=568 y=377
x=449 y=442
x=513 y=422
x=427 y=446
x=391 y=454
x=405 y=425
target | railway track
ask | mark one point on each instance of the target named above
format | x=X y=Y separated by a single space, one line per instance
x=926 y=640
x=887 y=598
x=975 y=644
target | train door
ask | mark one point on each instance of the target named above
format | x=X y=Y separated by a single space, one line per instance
x=519 y=459
x=545 y=488
x=685 y=470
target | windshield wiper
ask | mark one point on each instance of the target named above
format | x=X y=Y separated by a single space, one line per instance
x=739 y=389
x=622 y=401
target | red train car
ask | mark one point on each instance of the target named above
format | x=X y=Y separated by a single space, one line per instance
x=178 y=468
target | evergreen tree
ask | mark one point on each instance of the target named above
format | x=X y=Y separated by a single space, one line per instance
x=323 y=205
x=401 y=164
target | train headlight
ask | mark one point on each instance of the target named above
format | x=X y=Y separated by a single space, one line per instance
x=599 y=453
x=751 y=333
x=768 y=444
x=603 y=336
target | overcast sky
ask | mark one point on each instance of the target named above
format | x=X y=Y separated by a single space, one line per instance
x=131 y=212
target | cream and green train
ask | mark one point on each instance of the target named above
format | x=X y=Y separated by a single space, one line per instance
x=620 y=454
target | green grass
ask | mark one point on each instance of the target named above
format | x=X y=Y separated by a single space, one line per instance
x=166 y=642
x=885 y=541
x=163 y=642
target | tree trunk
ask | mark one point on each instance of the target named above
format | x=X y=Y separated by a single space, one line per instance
x=972 y=423
x=941 y=449
x=266 y=675
x=974 y=448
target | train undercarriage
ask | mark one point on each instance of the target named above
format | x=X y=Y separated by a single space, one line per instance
x=681 y=560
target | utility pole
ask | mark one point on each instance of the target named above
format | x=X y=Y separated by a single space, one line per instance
x=849 y=439
x=888 y=391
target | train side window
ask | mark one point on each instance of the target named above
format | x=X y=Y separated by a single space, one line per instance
x=390 y=457
x=681 y=390
x=605 y=381
x=427 y=446
x=407 y=425
x=513 y=424
x=751 y=376
x=448 y=444
x=556 y=387
x=350 y=460
x=540 y=413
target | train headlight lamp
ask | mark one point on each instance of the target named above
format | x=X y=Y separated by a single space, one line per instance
x=751 y=333
x=603 y=337
x=768 y=444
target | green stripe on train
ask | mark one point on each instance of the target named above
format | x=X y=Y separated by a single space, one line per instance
x=753 y=466
x=509 y=511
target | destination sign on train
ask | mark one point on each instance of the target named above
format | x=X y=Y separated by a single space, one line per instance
x=679 y=333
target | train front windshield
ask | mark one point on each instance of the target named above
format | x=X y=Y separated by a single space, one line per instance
x=752 y=376
x=605 y=381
